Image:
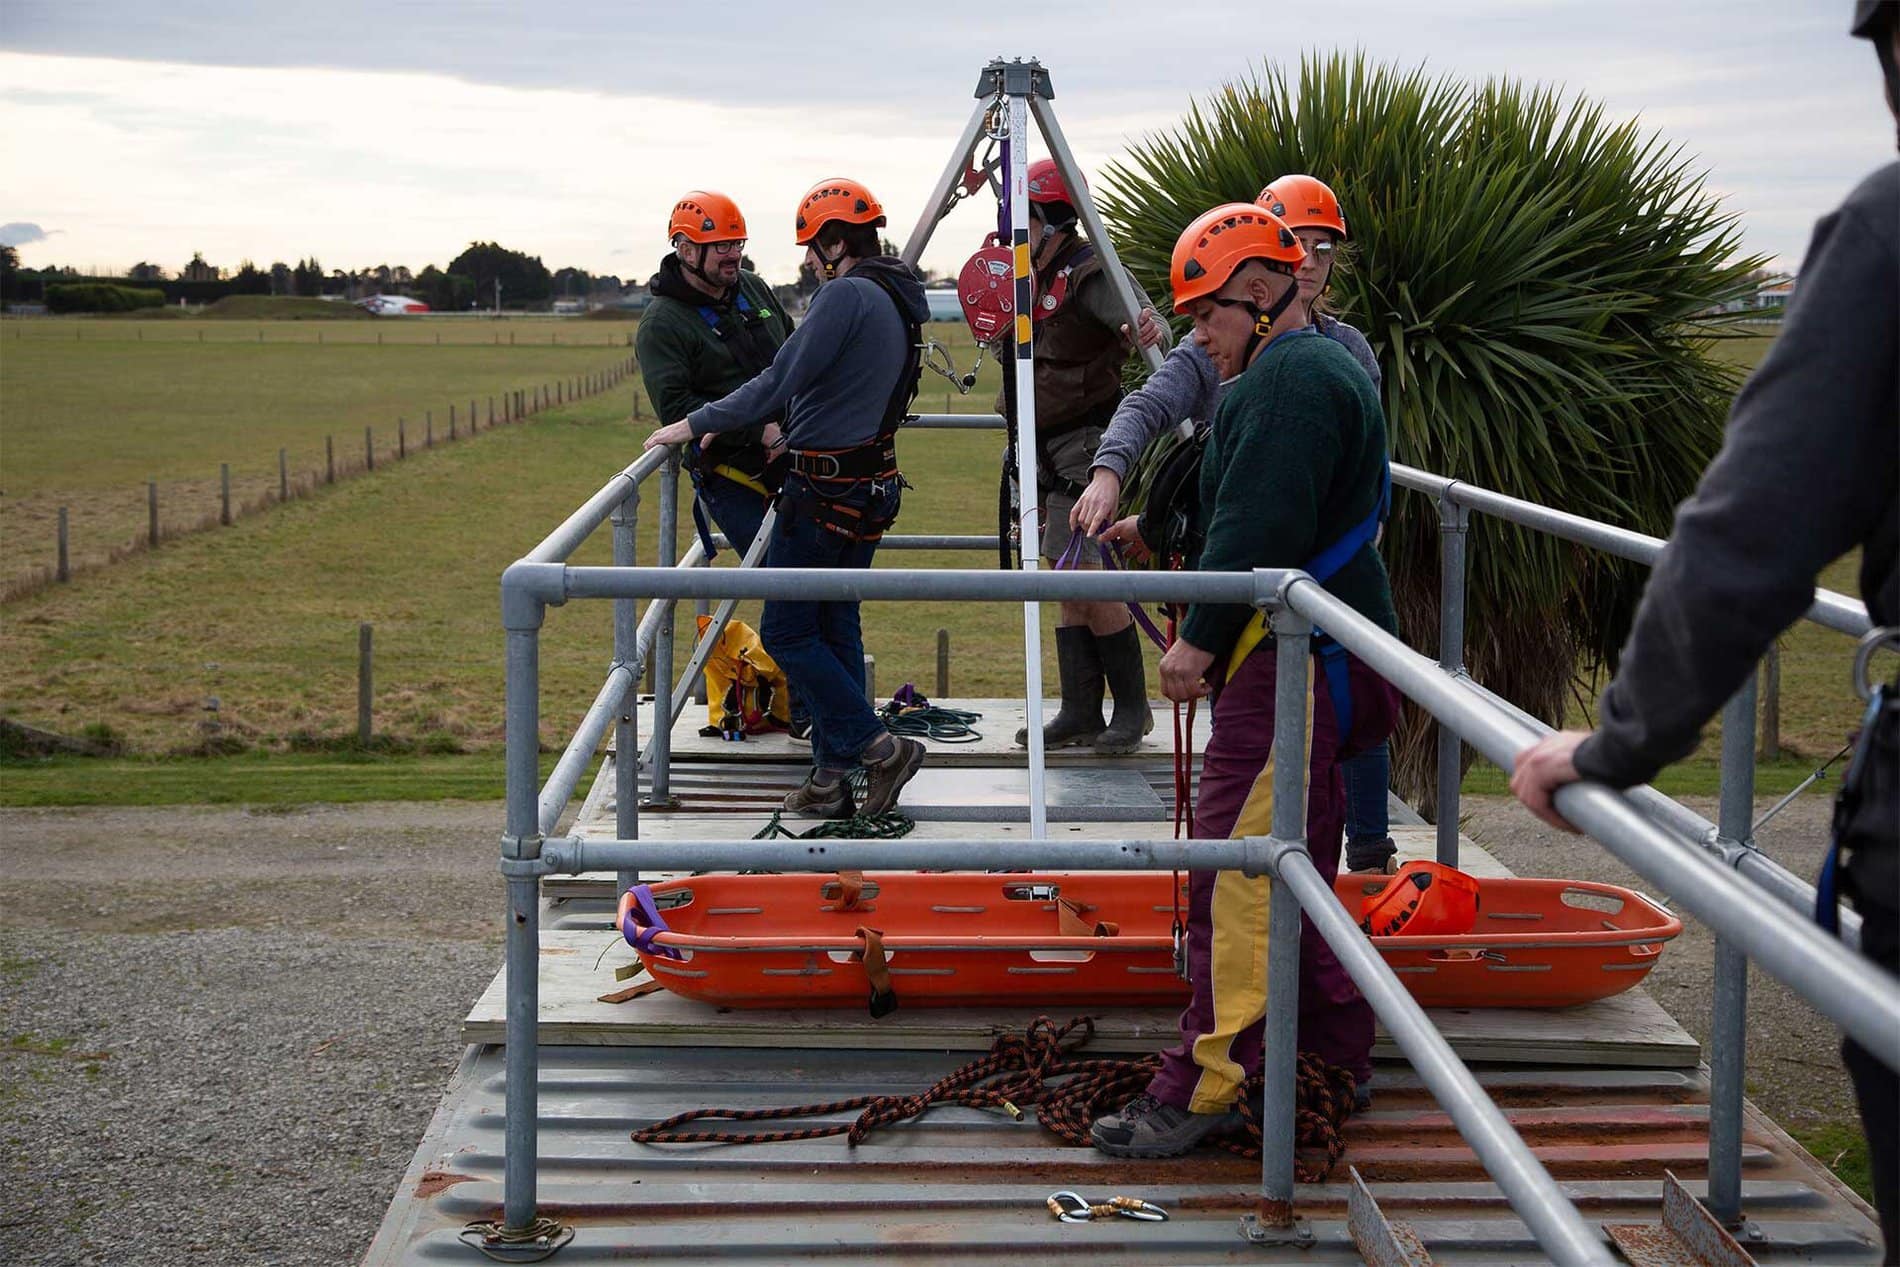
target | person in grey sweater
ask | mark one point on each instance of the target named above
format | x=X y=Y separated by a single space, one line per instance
x=1187 y=386
x=1809 y=469
x=843 y=382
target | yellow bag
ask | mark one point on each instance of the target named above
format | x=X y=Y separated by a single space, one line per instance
x=746 y=693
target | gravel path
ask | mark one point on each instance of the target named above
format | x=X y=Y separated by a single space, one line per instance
x=236 y=1067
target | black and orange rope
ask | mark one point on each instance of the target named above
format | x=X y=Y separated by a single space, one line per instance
x=1020 y=1071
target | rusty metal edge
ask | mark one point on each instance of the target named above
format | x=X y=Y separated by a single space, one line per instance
x=1380 y=1242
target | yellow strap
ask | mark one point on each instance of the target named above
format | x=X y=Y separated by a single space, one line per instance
x=740 y=477
x=1252 y=636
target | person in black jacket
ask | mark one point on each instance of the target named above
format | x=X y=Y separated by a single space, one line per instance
x=1809 y=470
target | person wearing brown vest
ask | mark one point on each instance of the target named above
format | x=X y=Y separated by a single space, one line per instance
x=1082 y=340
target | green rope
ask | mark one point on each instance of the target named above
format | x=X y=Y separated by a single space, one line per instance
x=886 y=826
x=944 y=725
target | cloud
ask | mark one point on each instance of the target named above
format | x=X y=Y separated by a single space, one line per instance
x=23 y=233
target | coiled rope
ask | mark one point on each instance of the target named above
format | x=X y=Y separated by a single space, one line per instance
x=1022 y=1070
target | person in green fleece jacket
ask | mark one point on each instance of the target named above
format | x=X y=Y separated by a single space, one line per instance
x=1293 y=476
x=710 y=327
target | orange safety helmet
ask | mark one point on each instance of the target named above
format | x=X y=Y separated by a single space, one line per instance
x=1219 y=242
x=1304 y=202
x=836 y=199
x=1425 y=899
x=704 y=216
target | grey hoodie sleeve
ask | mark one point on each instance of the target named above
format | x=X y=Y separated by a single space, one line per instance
x=1810 y=468
x=1354 y=342
x=1184 y=387
x=812 y=348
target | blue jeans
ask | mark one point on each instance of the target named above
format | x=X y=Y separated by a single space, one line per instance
x=736 y=509
x=1368 y=775
x=820 y=645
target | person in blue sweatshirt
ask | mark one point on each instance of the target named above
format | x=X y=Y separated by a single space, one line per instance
x=843 y=382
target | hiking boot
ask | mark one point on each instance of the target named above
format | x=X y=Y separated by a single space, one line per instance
x=1120 y=657
x=889 y=764
x=1080 y=721
x=1377 y=854
x=1145 y=1127
x=820 y=797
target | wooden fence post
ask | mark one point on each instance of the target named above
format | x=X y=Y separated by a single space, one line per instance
x=224 y=483
x=329 y=459
x=151 y=513
x=63 y=571
x=471 y=419
x=363 y=694
x=369 y=449
x=943 y=664
x=428 y=429
x=283 y=475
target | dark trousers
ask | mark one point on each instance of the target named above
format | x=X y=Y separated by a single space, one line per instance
x=738 y=511
x=1877 y=1087
x=1222 y=1030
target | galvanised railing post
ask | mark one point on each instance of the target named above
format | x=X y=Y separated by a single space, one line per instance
x=521 y=848
x=1454 y=527
x=1728 y=1026
x=1274 y=1220
x=701 y=607
x=627 y=652
x=660 y=773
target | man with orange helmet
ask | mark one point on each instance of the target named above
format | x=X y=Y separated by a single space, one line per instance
x=1187 y=386
x=1294 y=476
x=843 y=382
x=1082 y=340
x=712 y=325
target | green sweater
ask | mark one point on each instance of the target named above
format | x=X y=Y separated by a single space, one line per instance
x=683 y=361
x=1295 y=460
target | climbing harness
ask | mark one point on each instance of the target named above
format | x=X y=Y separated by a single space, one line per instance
x=1883 y=708
x=828 y=476
x=1039 y=1069
x=1073 y=1207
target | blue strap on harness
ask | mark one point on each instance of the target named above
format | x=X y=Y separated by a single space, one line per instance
x=1332 y=656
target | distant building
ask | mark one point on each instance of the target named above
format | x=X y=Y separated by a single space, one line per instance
x=1775 y=293
x=197 y=270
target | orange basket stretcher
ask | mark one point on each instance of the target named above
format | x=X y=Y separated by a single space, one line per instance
x=1085 y=939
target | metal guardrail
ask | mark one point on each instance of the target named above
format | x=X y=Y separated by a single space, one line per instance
x=1664 y=846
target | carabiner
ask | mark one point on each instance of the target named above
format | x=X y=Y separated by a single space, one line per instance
x=1136 y=1208
x=1070 y=1207
x=1875 y=639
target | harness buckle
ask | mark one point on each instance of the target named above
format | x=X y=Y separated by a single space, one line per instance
x=804 y=460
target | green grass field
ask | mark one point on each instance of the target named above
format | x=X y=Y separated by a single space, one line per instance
x=263 y=616
x=90 y=410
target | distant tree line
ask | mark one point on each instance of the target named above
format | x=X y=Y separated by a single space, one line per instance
x=482 y=275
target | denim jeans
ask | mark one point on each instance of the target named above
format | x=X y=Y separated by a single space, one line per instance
x=736 y=509
x=1368 y=776
x=820 y=645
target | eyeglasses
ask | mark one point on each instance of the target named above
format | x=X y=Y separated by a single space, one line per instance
x=734 y=247
x=1319 y=250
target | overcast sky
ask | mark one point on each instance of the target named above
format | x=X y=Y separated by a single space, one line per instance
x=367 y=133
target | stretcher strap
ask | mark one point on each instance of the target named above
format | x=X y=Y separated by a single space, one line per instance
x=850 y=890
x=632 y=992
x=640 y=922
x=870 y=953
x=1112 y=562
x=1071 y=922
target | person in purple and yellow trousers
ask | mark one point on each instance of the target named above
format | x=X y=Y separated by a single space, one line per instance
x=1294 y=476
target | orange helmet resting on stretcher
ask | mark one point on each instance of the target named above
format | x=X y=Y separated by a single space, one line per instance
x=1425 y=899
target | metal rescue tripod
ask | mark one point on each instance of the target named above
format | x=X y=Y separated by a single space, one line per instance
x=1007 y=94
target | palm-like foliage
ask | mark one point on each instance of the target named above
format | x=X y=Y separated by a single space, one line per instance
x=1533 y=279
